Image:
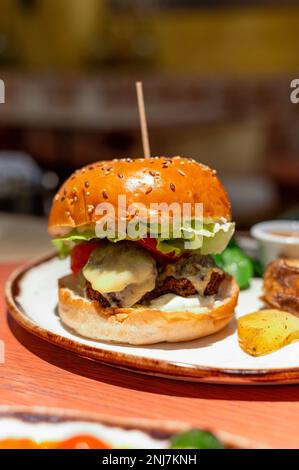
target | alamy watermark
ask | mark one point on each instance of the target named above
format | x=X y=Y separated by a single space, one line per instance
x=2 y=92
x=137 y=220
x=294 y=96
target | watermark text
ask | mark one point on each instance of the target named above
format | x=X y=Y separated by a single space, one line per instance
x=2 y=92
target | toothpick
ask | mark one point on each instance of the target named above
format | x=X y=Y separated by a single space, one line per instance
x=143 y=123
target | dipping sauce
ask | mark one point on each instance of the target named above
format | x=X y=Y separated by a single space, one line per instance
x=276 y=238
x=284 y=233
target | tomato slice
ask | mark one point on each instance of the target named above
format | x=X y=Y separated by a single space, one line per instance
x=150 y=244
x=80 y=254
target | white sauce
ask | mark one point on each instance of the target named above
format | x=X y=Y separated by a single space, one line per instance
x=173 y=303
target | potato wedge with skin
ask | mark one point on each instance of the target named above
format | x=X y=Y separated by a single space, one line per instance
x=266 y=331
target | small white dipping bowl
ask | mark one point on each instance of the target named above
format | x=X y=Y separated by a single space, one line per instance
x=272 y=246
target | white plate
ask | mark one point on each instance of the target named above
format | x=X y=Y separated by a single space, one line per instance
x=32 y=299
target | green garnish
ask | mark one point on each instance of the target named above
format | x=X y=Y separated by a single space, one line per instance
x=236 y=262
x=195 y=439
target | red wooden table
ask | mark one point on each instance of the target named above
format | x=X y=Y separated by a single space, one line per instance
x=38 y=373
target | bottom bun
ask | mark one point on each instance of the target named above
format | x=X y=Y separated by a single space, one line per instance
x=143 y=324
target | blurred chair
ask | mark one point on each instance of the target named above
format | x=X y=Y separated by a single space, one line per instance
x=20 y=183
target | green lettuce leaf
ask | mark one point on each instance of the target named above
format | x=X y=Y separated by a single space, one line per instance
x=64 y=245
x=170 y=246
x=209 y=238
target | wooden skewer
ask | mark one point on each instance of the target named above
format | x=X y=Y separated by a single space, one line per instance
x=143 y=123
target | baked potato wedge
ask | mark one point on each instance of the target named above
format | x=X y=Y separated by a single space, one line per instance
x=266 y=331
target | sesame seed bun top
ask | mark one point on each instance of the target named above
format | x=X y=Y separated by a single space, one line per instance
x=146 y=181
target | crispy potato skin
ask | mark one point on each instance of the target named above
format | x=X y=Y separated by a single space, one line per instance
x=281 y=285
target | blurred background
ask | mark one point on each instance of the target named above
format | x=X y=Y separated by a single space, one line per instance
x=216 y=78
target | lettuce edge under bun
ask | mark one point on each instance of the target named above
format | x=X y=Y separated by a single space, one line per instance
x=210 y=238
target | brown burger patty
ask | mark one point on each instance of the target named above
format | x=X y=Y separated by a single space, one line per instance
x=214 y=283
x=95 y=295
x=183 y=287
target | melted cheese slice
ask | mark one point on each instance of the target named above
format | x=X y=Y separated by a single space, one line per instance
x=117 y=266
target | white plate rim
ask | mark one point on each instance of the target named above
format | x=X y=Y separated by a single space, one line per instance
x=144 y=365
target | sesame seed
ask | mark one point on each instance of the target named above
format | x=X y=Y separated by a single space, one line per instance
x=73 y=199
x=86 y=184
x=87 y=193
x=56 y=197
x=152 y=173
x=181 y=173
x=105 y=195
x=120 y=175
x=172 y=187
x=68 y=213
x=149 y=190
x=90 y=209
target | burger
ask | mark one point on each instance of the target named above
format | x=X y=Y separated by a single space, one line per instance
x=139 y=274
